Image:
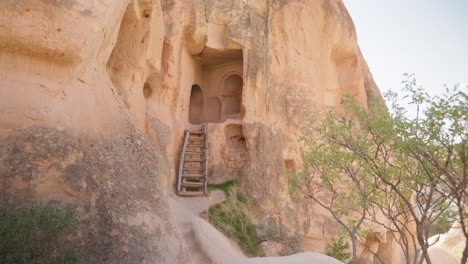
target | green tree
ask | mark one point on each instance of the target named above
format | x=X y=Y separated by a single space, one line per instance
x=435 y=139
x=362 y=162
x=335 y=175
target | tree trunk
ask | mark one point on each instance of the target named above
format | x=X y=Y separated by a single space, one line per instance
x=422 y=243
x=464 y=258
x=353 y=242
x=461 y=213
x=426 y=255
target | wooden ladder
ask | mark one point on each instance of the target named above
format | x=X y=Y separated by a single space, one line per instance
x=191 y=180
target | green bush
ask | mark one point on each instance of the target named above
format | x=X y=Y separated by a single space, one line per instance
x=229 y=216
x=225 y=186
x=339 y=249
x=27 y=234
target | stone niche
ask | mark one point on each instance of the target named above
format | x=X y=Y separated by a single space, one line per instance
x=235 y=151
x=147 y=90
x=227 y=151
x=216 y=92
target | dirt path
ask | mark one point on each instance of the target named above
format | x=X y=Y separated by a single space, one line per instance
x=186 y=211
x=209 y=246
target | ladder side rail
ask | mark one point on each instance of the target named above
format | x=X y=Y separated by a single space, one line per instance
x=205 y=129
x=181 y=164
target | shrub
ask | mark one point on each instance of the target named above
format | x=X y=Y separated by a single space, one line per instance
x=230 y=217
x=27 y=234
x=225 y=186
x=339 y=249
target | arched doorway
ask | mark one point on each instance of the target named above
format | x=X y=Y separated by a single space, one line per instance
x=196 y=105
x=232 y=94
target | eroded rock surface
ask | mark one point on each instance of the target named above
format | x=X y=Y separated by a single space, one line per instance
x=95 y=96
x=123 y=216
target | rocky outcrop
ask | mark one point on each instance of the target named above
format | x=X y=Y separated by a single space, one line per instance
x=123 y=215
x=95 y=95
x=71 y=127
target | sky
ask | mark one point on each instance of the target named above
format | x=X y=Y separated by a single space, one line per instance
x=426 y=37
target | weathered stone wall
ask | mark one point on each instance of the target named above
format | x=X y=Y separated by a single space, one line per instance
x=94 y=98
x=72 y=123
x=298 y=57
x=113 y=183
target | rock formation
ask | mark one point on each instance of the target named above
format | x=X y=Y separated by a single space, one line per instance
x=95 y=96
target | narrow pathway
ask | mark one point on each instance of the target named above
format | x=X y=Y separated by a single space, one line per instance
x=186 y=211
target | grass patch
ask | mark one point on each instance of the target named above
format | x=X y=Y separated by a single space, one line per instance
x=28 y=234
x=225 y=186
x=230 y=217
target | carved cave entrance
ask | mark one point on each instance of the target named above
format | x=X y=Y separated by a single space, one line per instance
x=215 y=80
x=217 y=96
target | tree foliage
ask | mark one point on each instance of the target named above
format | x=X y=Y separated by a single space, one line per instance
x=363 y=161
x=338 y=249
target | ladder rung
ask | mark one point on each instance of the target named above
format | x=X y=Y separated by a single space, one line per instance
x=187 y=193
x=198 y=156
x=193 y=184
x=197 y=132
x=195 y=152
x=192 y=176
x=193 y=169
x=195 y=160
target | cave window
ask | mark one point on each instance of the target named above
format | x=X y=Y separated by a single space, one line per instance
x=196 y=105
x=232 y=94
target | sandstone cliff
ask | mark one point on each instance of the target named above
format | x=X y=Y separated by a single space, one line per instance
x=95 y=96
